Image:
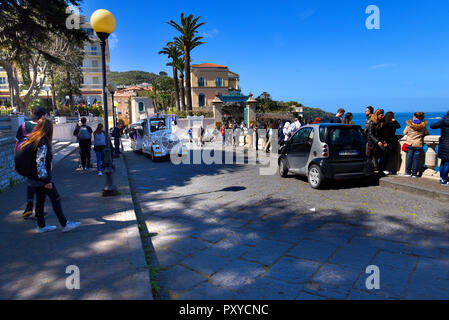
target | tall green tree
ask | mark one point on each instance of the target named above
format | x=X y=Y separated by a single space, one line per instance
x=28 y=29
x=188 y=28
x=173 y=52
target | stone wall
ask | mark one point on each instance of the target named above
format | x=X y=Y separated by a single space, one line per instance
x=8 y=177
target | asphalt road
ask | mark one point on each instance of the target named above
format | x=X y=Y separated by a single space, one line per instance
x=228 y=232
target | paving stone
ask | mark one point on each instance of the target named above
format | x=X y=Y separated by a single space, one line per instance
x=362 y=295
x=213 y=234
x=393 y=282
x=206 y=263
x=269 y=289
x=354 y=256
x=435 y=269
x=250 y=238
x=267 y=252
x=395 y=247
x=426 y=252
x=167 y=258
x=394 y=261
x=334 y=281
x=237 y=275
x=326 y=236
x=293 y=270
x=308 y=296
x=178 y=279
x=313 y=250
x=207 y=291
x=227 y=248
x=187 y=246
x=290 y=235
x=428 y=290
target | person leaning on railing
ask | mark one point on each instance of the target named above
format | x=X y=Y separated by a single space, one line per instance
x=443 y=148
x=415 y=131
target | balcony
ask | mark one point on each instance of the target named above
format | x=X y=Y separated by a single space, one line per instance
x=91 y=69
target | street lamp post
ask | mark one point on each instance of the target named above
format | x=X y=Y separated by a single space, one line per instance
x=103 y=22
x=112 y=88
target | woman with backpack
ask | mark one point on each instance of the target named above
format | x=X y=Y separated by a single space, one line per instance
x=36 y=155
x=100 y=147
x=415 y=131
x=443 y=148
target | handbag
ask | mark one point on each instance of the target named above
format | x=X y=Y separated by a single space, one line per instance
x=405 y=147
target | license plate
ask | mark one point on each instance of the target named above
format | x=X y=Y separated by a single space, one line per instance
x=349 y=153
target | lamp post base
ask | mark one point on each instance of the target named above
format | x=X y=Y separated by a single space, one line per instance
x=110 y=193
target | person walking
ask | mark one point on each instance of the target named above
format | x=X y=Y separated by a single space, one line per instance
x=40 y=144
x=390 y=140
x=223 y=134
x=100 y=147
x=84 y=134
x=415 y=131
x=374 y=137
x=23 y=132
x=443 y=148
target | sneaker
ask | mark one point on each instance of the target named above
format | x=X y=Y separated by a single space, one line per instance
x=28 y=211
x=100 y=173
x=387 y=173
x=46 y=229
x=406 y=175
x=444 y=183
x=70 y=226
x=414 y=177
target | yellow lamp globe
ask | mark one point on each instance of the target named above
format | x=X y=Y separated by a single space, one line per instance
x=103 y=21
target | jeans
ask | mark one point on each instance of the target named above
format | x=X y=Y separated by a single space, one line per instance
x=85 y=146
x=101 y=154
x=413 y=160
x=30 y=193
x=444 y=170
x=55 y=199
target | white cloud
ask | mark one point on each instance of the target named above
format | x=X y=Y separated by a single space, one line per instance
x=210 y=33
x=303 y=15
x=383 y=66
x=113 y=41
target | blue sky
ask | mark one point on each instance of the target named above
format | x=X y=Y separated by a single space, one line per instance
x=317 y=52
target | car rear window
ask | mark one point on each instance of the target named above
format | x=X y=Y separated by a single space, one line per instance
x=341 y=136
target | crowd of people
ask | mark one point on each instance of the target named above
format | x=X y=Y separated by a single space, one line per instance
x=34 y=160
x=33 y=151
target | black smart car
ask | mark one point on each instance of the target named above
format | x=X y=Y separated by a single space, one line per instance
x=326 y=151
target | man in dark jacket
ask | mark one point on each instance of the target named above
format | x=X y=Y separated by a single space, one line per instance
x=339 y=116
x=443 y=148
x=368 y=113
x=84 y=134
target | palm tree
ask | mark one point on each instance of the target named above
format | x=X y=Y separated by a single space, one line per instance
x=180 y=65
x=188 y=29
x=173 y=52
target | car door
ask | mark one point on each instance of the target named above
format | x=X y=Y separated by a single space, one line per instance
x=299 y=149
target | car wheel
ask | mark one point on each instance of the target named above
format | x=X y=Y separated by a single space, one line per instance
x=315 y=177
x=283 y=169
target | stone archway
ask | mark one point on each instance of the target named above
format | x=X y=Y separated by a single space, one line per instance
x=233 y=111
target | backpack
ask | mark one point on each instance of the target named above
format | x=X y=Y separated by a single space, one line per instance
x=99 y=139
x=25 y=133
x=24 y=161
x=84 y=133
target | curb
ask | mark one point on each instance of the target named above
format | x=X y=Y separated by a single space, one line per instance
x=139 y=259
x=426 y=192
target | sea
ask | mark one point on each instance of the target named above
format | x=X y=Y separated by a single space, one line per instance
x=402 y=117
